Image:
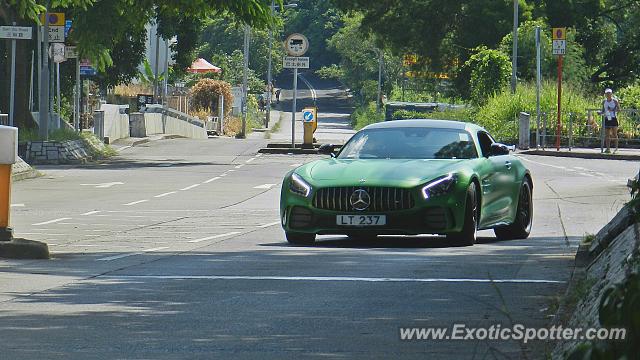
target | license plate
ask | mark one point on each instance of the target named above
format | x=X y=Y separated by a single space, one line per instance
x=361 y=220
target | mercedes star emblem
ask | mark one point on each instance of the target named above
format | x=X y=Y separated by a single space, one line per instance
x=360 y=200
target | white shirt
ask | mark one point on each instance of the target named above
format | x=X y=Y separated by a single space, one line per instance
x=610 y=107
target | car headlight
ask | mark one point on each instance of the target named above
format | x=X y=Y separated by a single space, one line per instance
x=439 y=186
x=297 y=185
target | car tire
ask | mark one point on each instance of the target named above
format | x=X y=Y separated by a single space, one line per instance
x=300 y=238
x=467 y=237
x=521 y=227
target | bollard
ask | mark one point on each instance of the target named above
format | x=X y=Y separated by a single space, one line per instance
x=524 y=137
x=8 y=157
x=310 y=121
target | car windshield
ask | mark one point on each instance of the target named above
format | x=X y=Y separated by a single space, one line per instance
x=410 y=143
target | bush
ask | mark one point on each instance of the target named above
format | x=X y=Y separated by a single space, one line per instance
x=500 y=112
x=205 y=94
x=366 y=115
x=630 y=97
x=486 y=73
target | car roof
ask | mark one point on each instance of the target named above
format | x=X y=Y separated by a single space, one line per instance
x=424 y=123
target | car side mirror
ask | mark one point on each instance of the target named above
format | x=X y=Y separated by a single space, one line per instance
x=498 y=149
x=327 y=149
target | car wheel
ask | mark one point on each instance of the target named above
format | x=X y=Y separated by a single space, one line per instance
x=300 y=238
x=467 y=237
x=521 y=227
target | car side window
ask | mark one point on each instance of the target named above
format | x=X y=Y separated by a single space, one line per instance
x=485 y=142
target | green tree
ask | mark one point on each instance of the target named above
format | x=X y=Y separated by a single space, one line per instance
x=489 y=72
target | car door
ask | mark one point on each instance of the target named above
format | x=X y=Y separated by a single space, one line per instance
x=497 y=184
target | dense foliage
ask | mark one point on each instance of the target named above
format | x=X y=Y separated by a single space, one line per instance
x=205 y=95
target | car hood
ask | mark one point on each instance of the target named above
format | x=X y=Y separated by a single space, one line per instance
x=378 y=172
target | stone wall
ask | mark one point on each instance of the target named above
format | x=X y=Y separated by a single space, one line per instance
x=50 y=152
x=21 y=170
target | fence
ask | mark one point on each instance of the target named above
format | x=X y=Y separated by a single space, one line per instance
x=584 y=129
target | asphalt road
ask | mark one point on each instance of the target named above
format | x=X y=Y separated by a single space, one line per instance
x=173 y=250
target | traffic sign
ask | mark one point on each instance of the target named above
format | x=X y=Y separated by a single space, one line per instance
x=56 y=51
x=71 y=52
x=409 y=59
x=56 y=34
x=296 y=62
x=559 y=34
x=15 y=32
x=296 y=45
x=559 y=47
x=308 y=115
x=55 y=19
x=87 y=69
x=67 y=27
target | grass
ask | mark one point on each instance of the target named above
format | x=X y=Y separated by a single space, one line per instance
x=588 y=238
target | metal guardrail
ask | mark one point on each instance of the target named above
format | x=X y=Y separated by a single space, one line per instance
x=585 y=129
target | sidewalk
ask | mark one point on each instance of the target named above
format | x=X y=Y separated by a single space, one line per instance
x=585 y=153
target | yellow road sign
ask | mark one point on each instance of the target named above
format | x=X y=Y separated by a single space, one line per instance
x=559 y=33
x=55 y=19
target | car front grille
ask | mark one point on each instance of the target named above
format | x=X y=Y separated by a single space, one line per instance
x=382 y=199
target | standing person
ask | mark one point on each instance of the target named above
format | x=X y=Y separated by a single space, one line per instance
x=610 y=109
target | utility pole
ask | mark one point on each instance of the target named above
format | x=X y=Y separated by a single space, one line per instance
x=538 y=86
x=156 y=64
x=514 y=65
x=245 y=80
x=44 y=79
x=269 y=80
x=380 y=60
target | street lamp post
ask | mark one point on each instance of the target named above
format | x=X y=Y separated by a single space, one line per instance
x=514 y=65
x=245 y=78
x=380 y=60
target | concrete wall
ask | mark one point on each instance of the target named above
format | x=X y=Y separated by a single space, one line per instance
x=172 y=122
x=116 y=121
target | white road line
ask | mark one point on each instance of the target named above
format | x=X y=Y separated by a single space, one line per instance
x=165 y=194
x=91 y=213
x=135 y=203
x=17 y=205
x=214 y=237
x=240 y=166
x=587 y=174
x=104 y=185
x=115 y=257
x=264 y=186
x=156 y=249
x=212 y=180
x=295 y=165
x=258 y=155
x=250 y=160
x=336 y=278
x=190 y=187
x=314 y=95
x=50 y=221
x=230 y=170
x=223 y=175
x=269 y=224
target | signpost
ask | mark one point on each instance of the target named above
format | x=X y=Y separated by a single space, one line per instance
x=14 y=33
x=295 y=45
x=559 y=37
x=309 y=121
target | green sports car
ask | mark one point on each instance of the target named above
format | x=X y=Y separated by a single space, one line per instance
x=410 y=177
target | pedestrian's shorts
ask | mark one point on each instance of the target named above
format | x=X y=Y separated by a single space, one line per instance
x=611 y=123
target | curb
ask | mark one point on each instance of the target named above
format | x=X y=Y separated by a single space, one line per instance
x=581 y=155
x=31 y=174
x=23 y=249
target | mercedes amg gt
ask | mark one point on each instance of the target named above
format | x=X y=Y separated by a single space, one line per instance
x=410 y=177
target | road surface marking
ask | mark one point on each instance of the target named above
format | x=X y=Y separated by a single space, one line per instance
x=230 y=170
x=91 y=213
x=269 y=224
x=156 y=249
x=250 y=160
x=104 y=185
x=314 y=95
x=165 y=194
x=135 y=202
x=587 y=174
x=190 y=187
x=17 y=205
x=580 y=168
x=239 y=166
x=264 y=186
x=296 y=165
x=214 y=237
x=258 y=155
x=223 y=175
x=115 y=257
x=212 y=180
x=50 y=221
x=336 y=278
